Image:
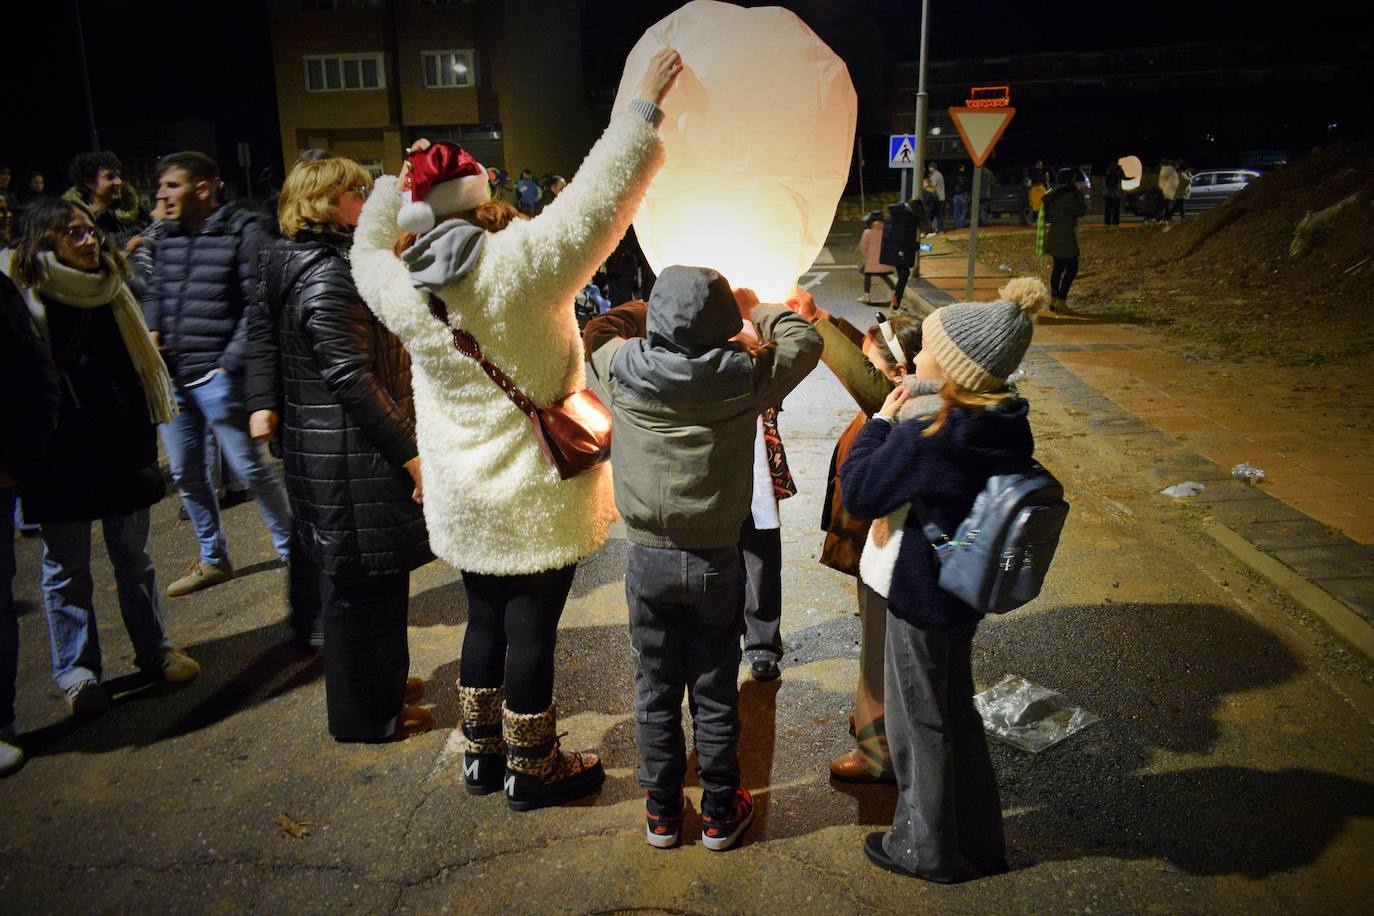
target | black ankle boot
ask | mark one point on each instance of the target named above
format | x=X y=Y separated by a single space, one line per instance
x=484 y=750
x=538 y=772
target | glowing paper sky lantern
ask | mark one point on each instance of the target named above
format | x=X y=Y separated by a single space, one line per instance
x=1133 y=169
x=758 y=132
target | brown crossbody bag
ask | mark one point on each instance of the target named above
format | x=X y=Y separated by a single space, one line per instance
x=574 y=432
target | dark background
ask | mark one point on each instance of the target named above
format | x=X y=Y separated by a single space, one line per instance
x=163 y=60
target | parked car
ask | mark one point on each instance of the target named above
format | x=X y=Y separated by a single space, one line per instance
x=1011 y=192
x=1213 y=186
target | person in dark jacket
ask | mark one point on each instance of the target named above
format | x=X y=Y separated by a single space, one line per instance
x=967 y=426
x=101 y=463
x=98 y=182
x=905 y=223
x=197 y=309
x=1111 y=194
x=340 y=382
x=28 y=415
x=1063 y=206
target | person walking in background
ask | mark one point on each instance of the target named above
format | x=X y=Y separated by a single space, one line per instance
x=1063 y=207
x=197 y=306
x=1111 y=193
x=961 y=425
x=322 y=365
x=494 y=506
x=98 y=182
x=527 y=193
x=870 y=246
x=962 y=194
x=101 y=463
x=868 y=365
x=685 y=399
x=28 y=414
x=1168 y=186
x=937 y=188
x=906 y=220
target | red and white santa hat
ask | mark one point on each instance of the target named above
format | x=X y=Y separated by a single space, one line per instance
x=443 y=179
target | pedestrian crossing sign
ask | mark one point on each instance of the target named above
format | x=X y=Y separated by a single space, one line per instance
x=901 y=151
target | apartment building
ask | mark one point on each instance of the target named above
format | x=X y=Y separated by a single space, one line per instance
x=367 y=77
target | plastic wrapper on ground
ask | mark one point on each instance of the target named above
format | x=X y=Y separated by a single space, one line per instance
x=1184 y=490
x=1028 y=716
x=1247 y=472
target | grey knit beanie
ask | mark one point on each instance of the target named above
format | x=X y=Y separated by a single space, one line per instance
x=979 y=345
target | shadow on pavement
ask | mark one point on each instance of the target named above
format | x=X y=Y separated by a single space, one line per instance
x=1158 y=674
x=237 y=672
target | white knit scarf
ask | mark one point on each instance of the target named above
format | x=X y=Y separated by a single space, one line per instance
x=94 y=289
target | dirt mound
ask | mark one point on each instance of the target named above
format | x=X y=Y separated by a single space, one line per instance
x=1247 y=241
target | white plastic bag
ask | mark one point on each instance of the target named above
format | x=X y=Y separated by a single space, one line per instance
x=1028 y=716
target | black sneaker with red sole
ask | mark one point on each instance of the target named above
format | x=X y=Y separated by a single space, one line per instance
x=724 y=820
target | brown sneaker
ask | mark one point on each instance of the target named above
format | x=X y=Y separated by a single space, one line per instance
x=201 y=576
x=176 y=667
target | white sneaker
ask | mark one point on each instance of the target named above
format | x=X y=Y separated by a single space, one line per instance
x=11 y=755
x=87 y=699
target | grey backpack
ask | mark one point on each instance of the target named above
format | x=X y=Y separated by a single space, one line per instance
x=999 y=555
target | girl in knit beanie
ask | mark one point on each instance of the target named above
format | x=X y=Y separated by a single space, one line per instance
x=962 y=424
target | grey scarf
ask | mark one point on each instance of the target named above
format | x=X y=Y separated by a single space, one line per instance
x=445 y=253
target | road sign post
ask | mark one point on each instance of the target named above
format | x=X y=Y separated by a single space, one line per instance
x=980 y=126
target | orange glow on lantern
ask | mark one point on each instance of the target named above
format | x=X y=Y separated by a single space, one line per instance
x=1133 y=168
x=758 y=135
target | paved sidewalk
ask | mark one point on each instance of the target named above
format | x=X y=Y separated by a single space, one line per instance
x=1313 y=513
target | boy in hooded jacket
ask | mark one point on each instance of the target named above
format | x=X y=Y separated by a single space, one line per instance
x=685 y=399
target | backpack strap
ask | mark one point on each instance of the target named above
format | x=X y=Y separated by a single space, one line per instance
x=933 y=532
x=468 y=346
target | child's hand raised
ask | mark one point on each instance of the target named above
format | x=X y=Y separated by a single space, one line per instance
x=746 y=299
x=894 y=402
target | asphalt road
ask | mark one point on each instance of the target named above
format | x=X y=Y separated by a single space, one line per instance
x=1231 y=770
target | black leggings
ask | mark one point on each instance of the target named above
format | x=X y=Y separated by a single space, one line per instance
x=868 y=282
x=1061 y=277
x=902 y=274
x=1111 y=211
x=512 y=632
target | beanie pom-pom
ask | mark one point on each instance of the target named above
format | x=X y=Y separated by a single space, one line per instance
x=1030 y=293
x=416 y=217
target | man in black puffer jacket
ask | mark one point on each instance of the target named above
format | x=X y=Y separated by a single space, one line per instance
x=340 y=383
x=196 y=307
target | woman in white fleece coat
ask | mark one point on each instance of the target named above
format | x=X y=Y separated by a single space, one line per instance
x=495 y=508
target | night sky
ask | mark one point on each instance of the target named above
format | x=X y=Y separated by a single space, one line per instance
x=161 y=60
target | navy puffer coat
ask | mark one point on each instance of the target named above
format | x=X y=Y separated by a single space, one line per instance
x=198 y=295
x=341 y=382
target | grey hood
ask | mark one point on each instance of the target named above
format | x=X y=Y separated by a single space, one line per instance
x=687 y=356
x=445 y=253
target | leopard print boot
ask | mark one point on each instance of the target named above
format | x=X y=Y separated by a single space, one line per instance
x=484 y=751
x=538 y=773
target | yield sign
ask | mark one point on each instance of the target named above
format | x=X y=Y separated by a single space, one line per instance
x=981 y=128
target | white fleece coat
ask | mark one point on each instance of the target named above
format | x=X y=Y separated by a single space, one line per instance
x=493 y=504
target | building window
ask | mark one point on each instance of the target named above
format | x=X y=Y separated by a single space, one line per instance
x=343 y=72
x=447 y=69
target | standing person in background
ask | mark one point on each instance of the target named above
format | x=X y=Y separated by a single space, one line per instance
x=1168 y=186
x=339 y=382
x=870 y=246
x=553 y=186
x=33 y=190
x=6 y=222
x=937 y=187
x=869 y=366
x=1185 y=189
x=527 y=193
x=102 y=463
x=98 y=182
x=494 y=507
x=1111 y=193
x=906 y=220
x=962 y=196
x=28 y=415
x=7 y=192
x=1063 y=207
x=197 y=307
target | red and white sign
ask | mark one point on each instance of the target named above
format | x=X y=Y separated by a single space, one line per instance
x=980 y=129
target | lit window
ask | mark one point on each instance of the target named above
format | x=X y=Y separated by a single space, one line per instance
x=447 y=69
x=344 y=72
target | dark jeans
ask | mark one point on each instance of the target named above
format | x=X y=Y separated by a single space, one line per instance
x=685 y=608
x=1062 y=276
x=900 y=290
x=947 y=800
x=761 y=553
x=512 y=633
x=1172 y=207
x=1111 y=212
x=885 y=277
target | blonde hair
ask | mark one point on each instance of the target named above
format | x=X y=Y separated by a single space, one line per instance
x=1028 y=292
x=312 y=189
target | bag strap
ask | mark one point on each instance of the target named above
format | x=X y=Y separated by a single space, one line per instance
x=933 y=532
x=467 y=345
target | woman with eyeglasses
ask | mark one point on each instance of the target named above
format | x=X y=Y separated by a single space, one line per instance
x=340 y=383
x=101 y=463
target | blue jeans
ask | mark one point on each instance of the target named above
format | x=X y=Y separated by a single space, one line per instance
x=9 y=619
x=961 y=202
x=218 y=405
x=68 y=594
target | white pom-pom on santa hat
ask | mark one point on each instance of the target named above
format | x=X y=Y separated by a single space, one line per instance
x=443 y=180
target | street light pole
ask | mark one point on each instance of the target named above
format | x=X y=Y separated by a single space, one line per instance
x=918 y=171
x=85 y=76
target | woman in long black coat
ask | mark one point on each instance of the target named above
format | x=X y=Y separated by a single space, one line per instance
x=340 y=382
x=906 y=221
